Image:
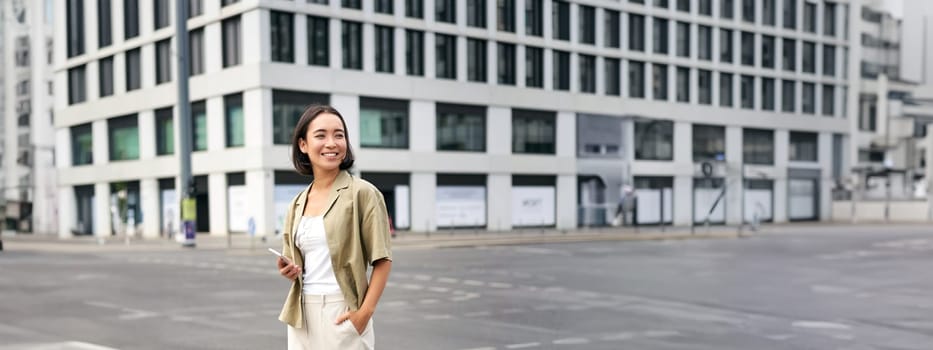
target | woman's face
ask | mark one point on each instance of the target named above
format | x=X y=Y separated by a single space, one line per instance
x=325 y=142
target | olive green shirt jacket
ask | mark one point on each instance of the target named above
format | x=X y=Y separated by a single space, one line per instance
x=357 y=227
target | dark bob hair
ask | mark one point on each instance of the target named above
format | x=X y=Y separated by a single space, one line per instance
x=300 y=160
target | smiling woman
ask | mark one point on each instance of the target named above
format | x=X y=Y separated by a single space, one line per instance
x=333 y=231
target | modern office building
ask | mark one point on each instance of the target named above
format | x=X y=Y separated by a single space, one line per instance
x=29 y=189
x=466 y=114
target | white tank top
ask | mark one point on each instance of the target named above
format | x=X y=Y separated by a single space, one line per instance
x=318 y=278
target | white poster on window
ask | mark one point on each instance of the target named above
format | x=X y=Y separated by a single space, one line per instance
x=758 y=202
x=401 y=207
x=703 y=200
x=532 y=206
x=170 y=214
x=283 y=195
x=237 y=211
x=460 y=206
x=802 y=199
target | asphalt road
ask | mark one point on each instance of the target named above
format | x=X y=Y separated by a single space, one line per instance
x=810 y=288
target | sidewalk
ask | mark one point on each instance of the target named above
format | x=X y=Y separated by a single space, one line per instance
x=404 y=239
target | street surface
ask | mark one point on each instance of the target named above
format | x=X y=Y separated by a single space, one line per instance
x=815 y=287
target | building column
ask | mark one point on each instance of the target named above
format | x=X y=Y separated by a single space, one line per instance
x=301 y=38
x=423 y=121
x=499 y=211
x=149 y=198
x=213 y=47
x=254 y=26
x=929 y=170
x=499 y=131
x=260 y=189
x=217 y=200
x=423 y=193
x=147 y=138
x=349 y=107
x=566 y=202
x=216 y=133
x=66 y=211
x=825 y=156
x=683 y=182
x=781 y=140
x=683 y=200
x=734 y=176
x=257 y=131
x=102 y=221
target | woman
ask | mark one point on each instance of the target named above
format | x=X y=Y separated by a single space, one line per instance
x=333 y=231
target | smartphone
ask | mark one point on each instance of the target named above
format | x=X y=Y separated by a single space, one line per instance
x=280 y=254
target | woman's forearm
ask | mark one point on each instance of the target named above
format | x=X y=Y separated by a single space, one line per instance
x=377 y=283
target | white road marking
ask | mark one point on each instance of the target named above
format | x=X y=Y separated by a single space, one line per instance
x=477 y=314
x=486 y=348
x=429 y=301
x=438 y=317
x=571 y=341
x=447 y=280
x=439 y=289
x=500 y=285
x=423 y=277
x=820 y=325
x=473 y=283
x=619 y=336
x=523 y=345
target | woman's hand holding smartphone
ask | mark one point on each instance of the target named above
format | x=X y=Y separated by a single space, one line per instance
x=286 y=268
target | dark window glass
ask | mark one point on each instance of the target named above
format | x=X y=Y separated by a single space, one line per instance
x=228 y=2
x=561 y=70
x=748 y=10
x=748 y=49
x=767 y=94
x=705 y=43
x=476 y=60
x=77 y=85
x=352 y=45
x=758 y=146
x=636 y=79
x=726 y=8
x=809 y=57
x=163 y=59
x=683 y=39
x=790 y=14
x=725 y=89
x=383 y=123
x=130 y=19
x=660 y=35
x=809 y=17
x=445 y=11
x=767 y=51
x=318 y=41
x=506 y=64
x=165 y=131
x=725 y=46
x=767 y=12
x=160 y=13
x=587 y=73
x=747 y=90
x=235 y=129
x=533 y=131
x=199 y=126
x=534 y=67
x=612 y=28
x=384 y=6
x=611 y=71
x=560 y=11
x=195 y=8
x=282 y=35
x=414 y=52
x=659 y=81
x=231 y=41
x=534 y=17
x=587 y=24
x=82 y=146
x=104 y=23
x=706 y=7
x=636 y=27
x=476 y=13
x=461 y=128
x=654 y=140
x=287 y=107
x=385 y=49
x=803 y=146
x=829 y=60
x=75 y=23
x=787 y=96
x=683 y=5
x=809 y=98
x=414 y=8
x=196 y=54
x=123 y=133
x=352 y=4
x=829 y=19
x=446 y=60
x=829 y=100
x=105 y=69
x=133 y=67
x=705 y=85
x=505 y=10
x=789 y=55
x=709 y=143
x=683 y=84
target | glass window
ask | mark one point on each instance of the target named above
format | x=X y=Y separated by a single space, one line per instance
x=767 y=12
x=747 y=90
x=533 y=131
x=506 y=64
x=105 y=69
x=748 y=49
x=384 y=6
x=130 y=19
x=505 y=10
x=228 y=2
x=758 y=146
x=726 y=9
x=534 y=67
x=82 y=150
x=587 y=24
x=587 y=73
x=659 y=81
x=803 y=146
x=660 y=35
x=709 y=143
x=414 y=52
x=446 y=51
x=231 y=41
x=725 y=89
x=77 y=85
x=199 y=126
x=414 y=8
x=611 y=71
x=160 y=13
x=287 y=107
x=809 y=98
x=445 y=11
x=789 y=55
x=636 y=27
x=124 y=137
x=476 y=13
x=657 y=3
x=790 y=14
x=560 y=12
x=829 y=100
x=748 y=10
x=352 y=45
x=654 y=140
x=233 y=120
x=809 y=57
x=829 y=60
x=104 y=23
x=165 y=131
x=787 y=96
x=461 y=128
x=725 y=46
x=767 y=94
x=476 y=60
x=283 y=36
x=683 y=84
x=75 y=26
x=868 y=106
x=352 y=4
x=163 y=58
x=318 y=41
x=636 y=79
x=319 y=2
x=683 y=39
x=706 y=7
x=534 y=17
x=683 y=5
x=383 y=123
x=809 y=17
x=612 y=28
x=705 y=85
x=133 y=77
x=385 y=49
x=196 y=52
x=829 y=19
x=705 y=44
x=767 y=51
x=561 y=70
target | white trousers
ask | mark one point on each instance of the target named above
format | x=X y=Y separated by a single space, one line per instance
x=320 y=332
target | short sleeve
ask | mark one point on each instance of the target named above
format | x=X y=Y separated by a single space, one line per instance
x=374 y=225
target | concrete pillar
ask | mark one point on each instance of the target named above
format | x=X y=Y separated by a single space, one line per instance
x=422 y=120
x=499 y=211
x=257 y=131
x=929 y=170
x=781 y=143
x=216 y=133
x=683 y=200
x=213 y=47
x=149 y=196
x=301 y=39
x=101 y=143
x=423 y=193
x=260 y=188
x=825 y=156
x=102 y=222
x=369 y=40
x=254 y=29
x=66 y=211
x=566 y=202
x=349 y=107
x=734 y=175
x=335 y=40
x=499 y=131
x=147 y=137
x=566 y=147
x=217 y=202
